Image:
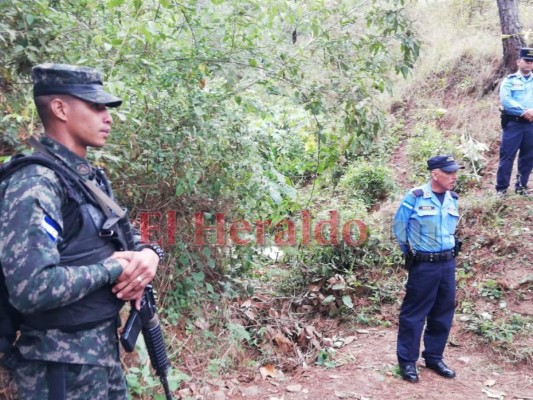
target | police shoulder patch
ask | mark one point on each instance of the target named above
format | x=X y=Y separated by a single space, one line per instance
x=454 y=195
x=418 y=192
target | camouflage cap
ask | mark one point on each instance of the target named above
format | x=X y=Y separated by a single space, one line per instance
x=81 y=82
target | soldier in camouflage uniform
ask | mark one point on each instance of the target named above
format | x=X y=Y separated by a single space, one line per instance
x=46 y=278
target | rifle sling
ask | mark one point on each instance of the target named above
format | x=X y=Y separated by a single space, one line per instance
x=106 y=203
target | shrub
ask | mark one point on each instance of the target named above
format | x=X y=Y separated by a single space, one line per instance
x=369 y=182
x=427 y=142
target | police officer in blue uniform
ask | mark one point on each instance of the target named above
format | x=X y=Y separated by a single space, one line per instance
x=516 y=97
x=424 y=227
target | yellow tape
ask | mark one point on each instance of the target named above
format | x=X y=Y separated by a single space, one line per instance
x=507 y=36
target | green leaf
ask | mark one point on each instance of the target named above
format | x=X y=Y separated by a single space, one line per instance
x=275 y=194
x=329 y=299
x=239 y=332
x=115 y=3
x=180 y=188
x=198 y=276
x=347 y=301
x=252 y=62
x=29 y=18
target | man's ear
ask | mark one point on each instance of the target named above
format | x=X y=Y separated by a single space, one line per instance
x=59 y=108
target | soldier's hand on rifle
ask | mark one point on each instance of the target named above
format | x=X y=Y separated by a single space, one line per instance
x=138 y=272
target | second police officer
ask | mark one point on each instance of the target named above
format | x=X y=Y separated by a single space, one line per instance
x=516 y=97
x=424 y=226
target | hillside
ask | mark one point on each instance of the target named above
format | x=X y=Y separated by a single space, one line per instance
x=454 y=89
x=319 y=324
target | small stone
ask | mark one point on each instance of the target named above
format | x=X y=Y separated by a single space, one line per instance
x=344 y=395
x=218 y=395
x=294 y=388
x=250 y=391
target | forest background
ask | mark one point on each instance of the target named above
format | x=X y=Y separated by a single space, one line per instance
x=264 y=111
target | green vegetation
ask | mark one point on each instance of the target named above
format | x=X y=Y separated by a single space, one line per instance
x=262 y=110
x=368 y=182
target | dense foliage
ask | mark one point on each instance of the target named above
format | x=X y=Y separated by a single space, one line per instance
x=229 y=105
x=219 y=94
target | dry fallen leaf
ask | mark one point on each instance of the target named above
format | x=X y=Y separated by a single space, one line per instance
x=348 y=340
x=493 y=394
x=268 y=371
x=201 y=324
x=282 y=342
x=250 y=314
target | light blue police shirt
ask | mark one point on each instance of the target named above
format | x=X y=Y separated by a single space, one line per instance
x=424 y=223
x=516 y=93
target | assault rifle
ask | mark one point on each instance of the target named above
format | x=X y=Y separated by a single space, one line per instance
x=144 y=320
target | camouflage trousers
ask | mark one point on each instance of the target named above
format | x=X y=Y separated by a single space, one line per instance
x=83 y=382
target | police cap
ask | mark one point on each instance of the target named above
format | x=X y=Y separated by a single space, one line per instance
x=526 y=53
x=446 y=163
x=84 y=83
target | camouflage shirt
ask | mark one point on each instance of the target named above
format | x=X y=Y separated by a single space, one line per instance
x=30 y=222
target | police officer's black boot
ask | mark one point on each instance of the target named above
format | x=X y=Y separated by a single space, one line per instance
x=442 y=369
x=408 y=372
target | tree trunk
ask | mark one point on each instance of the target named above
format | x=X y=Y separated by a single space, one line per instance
x=511 y=33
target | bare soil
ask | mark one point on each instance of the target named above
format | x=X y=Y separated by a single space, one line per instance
x=366 y=368
x=370 y=373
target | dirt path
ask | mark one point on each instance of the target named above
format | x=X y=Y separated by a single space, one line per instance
x=368 y=367
x=369 y=373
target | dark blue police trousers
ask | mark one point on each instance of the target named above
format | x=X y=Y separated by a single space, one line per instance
x=429 y=300
x=516 y=137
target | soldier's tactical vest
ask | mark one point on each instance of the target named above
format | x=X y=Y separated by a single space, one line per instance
x=80 y=245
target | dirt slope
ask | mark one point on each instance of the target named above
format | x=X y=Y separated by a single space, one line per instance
x=370 y=375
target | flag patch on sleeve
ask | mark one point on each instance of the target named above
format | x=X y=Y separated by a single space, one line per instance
x=51 y=228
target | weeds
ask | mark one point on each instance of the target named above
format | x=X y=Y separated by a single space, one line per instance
x=371 y=183
x=503 y=333
x=490 y=289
